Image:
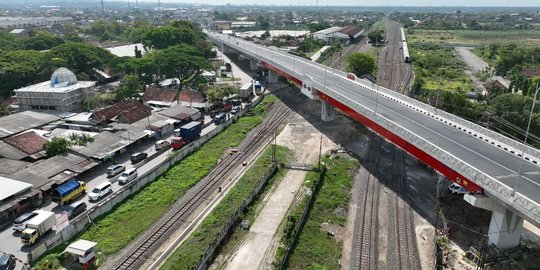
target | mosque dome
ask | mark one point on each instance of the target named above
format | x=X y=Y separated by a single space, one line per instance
x=63 y=77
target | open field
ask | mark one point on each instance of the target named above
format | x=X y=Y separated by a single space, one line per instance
x=475 y=37
x=119 y=227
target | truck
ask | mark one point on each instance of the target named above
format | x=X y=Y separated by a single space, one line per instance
x=68 y=191
x=188 y=133
x=37 y=227
x=246 y=90
x=258 y=87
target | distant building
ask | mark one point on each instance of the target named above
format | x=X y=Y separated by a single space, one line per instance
x=63 y=93
x=222 y=25
x=243 y=24
x=354 y=32
x=332 y=34
x=24 y=22
x=20 y=33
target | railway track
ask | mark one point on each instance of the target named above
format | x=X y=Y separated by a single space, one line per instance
x=404 y=235
x=277 y=113
x=365 y=237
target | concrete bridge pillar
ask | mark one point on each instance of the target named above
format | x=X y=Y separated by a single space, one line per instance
x=328 y=112
x=226 y=49
x=253 y=64
x=505 y=227
x=272 y=76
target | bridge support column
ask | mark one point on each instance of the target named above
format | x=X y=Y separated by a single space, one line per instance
x=272 y=76
x=226 y=49
x=253 y=64
x=328 y=112
x=505 y=227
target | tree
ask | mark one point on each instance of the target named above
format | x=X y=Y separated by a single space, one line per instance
x=360 y=64
x=376 y=36
x=130 y=87
x=20 y=68
x=183 y=61
x=42 y=41
x=315 y=27
x=144 y=67
x=216 y=94
x=56 y=146
x=176 y=33
x=4 y=110
x=81 y=58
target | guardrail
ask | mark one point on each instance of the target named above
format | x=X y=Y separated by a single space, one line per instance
x=80 y=223
x=505 y=194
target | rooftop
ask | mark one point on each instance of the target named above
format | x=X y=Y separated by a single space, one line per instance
x=328 y=30
x=159 y=94
x=180 y=112
x=127 y=111
x=22 y=121
x=191 y=96
x=126 y=50
x=28 y=142
x=352 y=31
x=10 y=166
x=46 y=87
x=10 y=187
x=105 y=145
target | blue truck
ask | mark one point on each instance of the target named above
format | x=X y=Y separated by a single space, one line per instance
x=191 y=131
x=68 y=191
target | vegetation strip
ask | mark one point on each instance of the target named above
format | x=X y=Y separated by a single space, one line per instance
x=116 y=229
x=316 y=248
x=190 y=252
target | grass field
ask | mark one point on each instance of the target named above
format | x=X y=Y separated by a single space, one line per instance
x=124 y=223
x=316 y=249
x=188 y=254
x=475 y=37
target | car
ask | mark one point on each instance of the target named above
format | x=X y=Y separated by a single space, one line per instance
x=128 y=175
x=7 y=262
x=19 y=224
x=100 y=191
x=457 y=189
x=138 y=157
x=161 y=144
x=75 y=209
x=115 y=169
x=235 y=109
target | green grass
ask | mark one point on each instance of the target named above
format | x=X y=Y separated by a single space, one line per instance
x=188 y=254
x=124 y=223
x=315 y=248
x=476 y=37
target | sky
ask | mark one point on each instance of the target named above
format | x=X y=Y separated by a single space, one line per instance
x=481 y=3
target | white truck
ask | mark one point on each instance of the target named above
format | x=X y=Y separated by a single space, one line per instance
x=38 y=226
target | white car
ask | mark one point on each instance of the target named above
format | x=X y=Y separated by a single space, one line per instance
x=128 y=175
x=457 y=189
x=100 y=191
x=115 y=169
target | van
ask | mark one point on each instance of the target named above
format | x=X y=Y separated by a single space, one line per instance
x=75 y=209
x=128 y=175
x=100 y=191
x=19 y=224
x=138 y=157
x=457 y=189
x=161 y=144
x=115 y=169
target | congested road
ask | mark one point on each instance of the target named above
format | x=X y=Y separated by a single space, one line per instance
x=485 y=158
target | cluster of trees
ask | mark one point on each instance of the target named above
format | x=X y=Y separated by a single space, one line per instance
x=461 y=20
x=310 y=44
x=361 y=64
x=376 y=36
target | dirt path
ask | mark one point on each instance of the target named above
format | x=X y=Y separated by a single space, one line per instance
x=253 y=252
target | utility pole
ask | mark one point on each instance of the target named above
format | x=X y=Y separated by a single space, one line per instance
x=102 y=8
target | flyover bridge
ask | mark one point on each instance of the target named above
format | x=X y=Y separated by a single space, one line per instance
x=471 y=155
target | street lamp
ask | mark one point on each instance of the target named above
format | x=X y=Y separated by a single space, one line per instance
x=526 y=137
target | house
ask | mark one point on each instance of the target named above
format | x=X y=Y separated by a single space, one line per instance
x=495 y=86
x=354 y=32
x=182 y=113
x=159 y=97
x=126 y=111
x=531 y=72
x=193 y=99
x=23 y=146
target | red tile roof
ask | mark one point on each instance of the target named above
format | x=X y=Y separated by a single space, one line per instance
x=29 y=142
x=351 y=30
x=191 y=96
x=159 y=94
x=126 y=111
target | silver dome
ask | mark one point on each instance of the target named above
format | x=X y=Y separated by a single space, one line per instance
x=63 y=77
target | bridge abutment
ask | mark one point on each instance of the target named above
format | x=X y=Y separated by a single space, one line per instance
x=505 y=227
x=328 y=112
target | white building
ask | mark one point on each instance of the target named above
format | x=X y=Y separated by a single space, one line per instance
x=24 y=22
x=62 y=93
x=330 y=34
